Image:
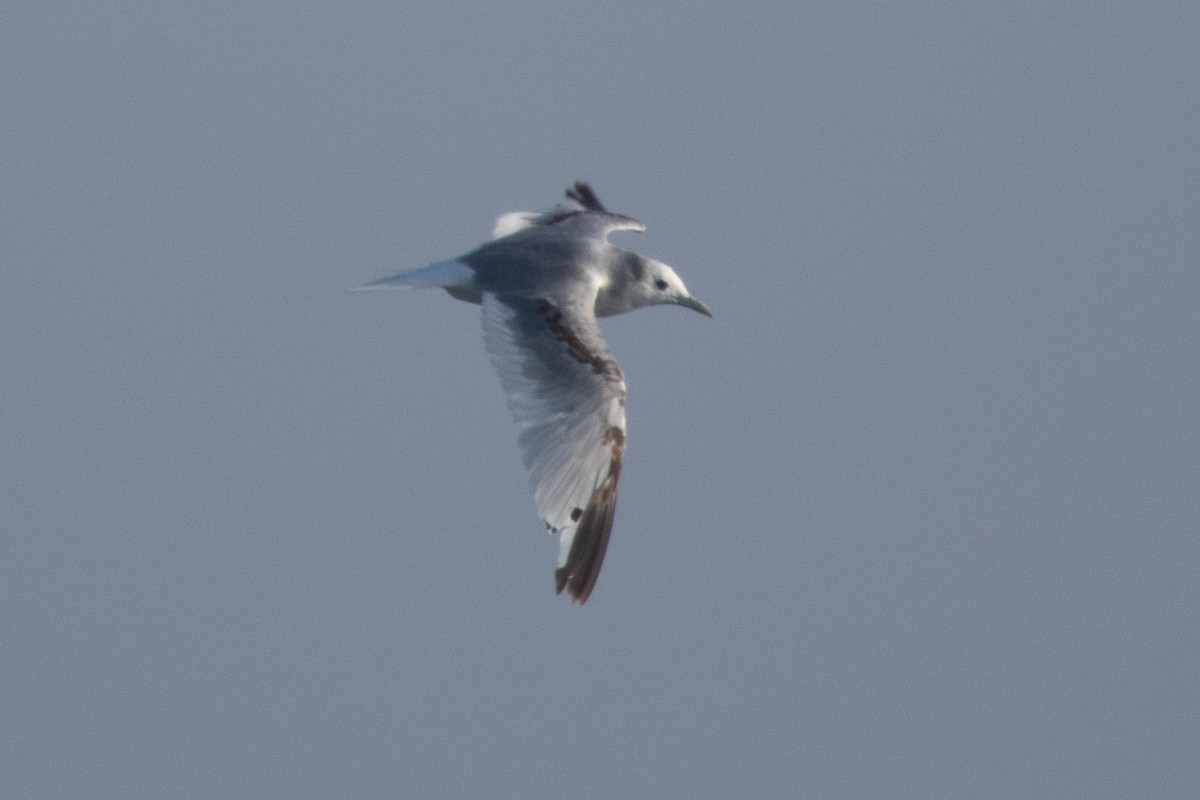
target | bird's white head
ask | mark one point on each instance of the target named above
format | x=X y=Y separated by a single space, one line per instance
x=638 y=282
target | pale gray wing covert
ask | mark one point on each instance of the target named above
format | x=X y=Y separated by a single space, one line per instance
x=573 y=222
x=567 y=396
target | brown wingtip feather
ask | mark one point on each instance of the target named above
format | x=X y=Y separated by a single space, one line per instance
x=578 y=576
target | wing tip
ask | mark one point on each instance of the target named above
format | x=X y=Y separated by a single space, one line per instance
x=562 y=578
x=582 y=193
x=579 y=573
x=578 y=590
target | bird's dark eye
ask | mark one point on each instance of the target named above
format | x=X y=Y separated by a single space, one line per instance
x=661 y=284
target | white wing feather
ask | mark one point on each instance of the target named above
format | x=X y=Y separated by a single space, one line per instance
x=567 y=396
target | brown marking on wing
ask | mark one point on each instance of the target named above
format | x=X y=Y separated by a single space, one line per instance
x=599 y=362
x=578 y=576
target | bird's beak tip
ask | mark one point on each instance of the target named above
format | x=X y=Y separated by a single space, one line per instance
x=696 y=305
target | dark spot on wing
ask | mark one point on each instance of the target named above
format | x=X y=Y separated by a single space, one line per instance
x=616 y=437
x=576 y=513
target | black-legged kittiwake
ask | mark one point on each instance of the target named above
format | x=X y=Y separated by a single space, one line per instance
x=542 y=281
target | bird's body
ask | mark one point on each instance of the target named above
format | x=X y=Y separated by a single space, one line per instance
x=542 y=282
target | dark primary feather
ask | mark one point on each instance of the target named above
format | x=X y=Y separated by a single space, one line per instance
x=582 y=193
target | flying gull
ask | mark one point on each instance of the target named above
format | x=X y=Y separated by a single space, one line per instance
x=542 y=281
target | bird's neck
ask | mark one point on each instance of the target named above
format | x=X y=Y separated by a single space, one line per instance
x=610 y=301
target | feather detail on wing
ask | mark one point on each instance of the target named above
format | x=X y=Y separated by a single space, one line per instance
x=593 y=219
x=567 y=396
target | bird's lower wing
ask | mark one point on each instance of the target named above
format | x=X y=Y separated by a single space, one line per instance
x=567 y=396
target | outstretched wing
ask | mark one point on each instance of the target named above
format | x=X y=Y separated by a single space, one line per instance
x=567 y=396
x=593 y=219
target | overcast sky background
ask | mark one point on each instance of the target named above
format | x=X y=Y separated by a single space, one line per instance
x=915 y=515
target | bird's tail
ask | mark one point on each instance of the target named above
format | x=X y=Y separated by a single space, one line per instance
x=446 y=274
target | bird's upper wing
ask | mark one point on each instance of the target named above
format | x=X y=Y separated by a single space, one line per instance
x=598 y=224
x=567 y=396
x=592 y=219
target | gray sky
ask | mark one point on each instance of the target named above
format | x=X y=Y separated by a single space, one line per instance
x=915 y=516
